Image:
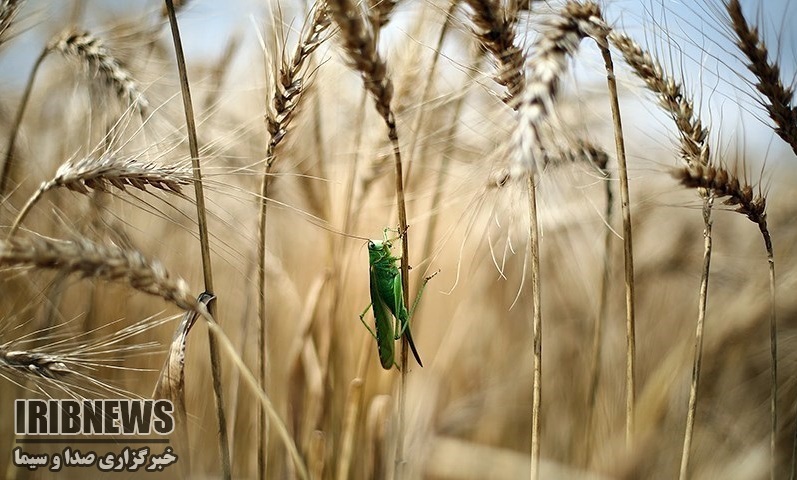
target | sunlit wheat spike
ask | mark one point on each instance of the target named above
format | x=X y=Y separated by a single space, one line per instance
x=558 y=40
x=779 y=98
x=100 y=172
x=694 y=144
x=106 y=262
x=101 y=62
x=107 y=170
x=290 y=81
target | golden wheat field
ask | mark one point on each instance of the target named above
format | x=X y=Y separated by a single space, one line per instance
x=593 y=203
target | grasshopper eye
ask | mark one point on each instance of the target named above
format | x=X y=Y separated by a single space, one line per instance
x=371 y=244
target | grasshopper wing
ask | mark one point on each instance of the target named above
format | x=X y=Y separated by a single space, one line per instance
x=384 y=325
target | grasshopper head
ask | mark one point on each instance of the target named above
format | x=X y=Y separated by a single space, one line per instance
x=378 y=249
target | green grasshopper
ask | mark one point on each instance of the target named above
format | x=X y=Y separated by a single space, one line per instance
x=387 y=300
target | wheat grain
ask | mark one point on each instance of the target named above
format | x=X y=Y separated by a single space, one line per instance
x=100 y=172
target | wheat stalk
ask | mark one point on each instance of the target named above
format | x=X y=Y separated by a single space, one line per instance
x=289 y=86
x=8 y=158
x=779 y=98
x=204 y=237
x=695 y=152
x=720 y=182
x=559 y=40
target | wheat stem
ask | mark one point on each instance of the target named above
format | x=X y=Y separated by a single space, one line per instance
x=628 y=250
x=534 y=234
x=708 y=203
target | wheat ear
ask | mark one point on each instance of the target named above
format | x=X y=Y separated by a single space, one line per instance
x=671 y=96
x=780 y=99
x=92 y=52
x=34 y=363
x=99 y=173
x=496 y=28
x=70 y=363
x=88 y=259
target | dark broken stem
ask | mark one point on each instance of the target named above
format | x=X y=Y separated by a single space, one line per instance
x=8 y=160
x=773 y=346
x=708 y=203
x=204 y=239
x=628 y=252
